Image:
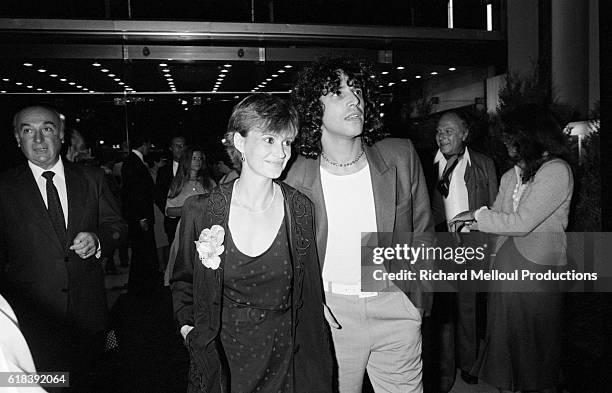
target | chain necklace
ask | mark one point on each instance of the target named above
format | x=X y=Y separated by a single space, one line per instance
x=250 y=209
x=343 y=165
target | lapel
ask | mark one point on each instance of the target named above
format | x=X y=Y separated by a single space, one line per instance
x=35 y=205
x=470 y=180
x=384 y=189
x=76 y=189
x=311 y=186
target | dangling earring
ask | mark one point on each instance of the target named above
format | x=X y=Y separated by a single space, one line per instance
x=242 y=157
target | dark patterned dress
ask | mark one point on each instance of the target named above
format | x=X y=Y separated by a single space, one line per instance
x=256 y=318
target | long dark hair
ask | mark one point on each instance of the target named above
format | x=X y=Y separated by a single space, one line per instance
x=536 y=135
x=322 y=78
x=182 y=174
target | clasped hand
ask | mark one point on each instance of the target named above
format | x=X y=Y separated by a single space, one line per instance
x=464 y=219
x=85 y=244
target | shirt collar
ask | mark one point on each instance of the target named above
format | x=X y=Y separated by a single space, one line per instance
x=139 y=154
x=58 y=169
x=440 y=157
x=175 y=165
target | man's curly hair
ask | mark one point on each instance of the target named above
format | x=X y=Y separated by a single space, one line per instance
x=321 y=78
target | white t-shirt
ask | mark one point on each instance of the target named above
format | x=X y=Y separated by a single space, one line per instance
x=349 y=202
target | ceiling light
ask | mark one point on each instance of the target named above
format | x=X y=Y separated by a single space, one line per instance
x=399 y=67
x=91 y=91
x=166 y=70
x=385 y=72
x=163 y=65
x=264 y=83
x=433 y=73
x=18 y=83
x=5 y=79
x=220 y=80
x=404 y=80
x=268 y=79
x=71 y=83
x=39 y=89
x=169 y=79
x=85 y=89
x=281 y=71
x=417 y=76
x=380 y=86
x=27 y=64
x=288 y=66
x=48 y=91
x=79 y=86
x=29 y=86
x=111 y=75
x=168 y=75
x=53 y=75
x=227 y=65
x=96 y=64
x=121 y=83
x=224 y=71
x=104 y=70
x=222 y=76
x=452 y=69
x=274 y=75
x=63 y=79
x=2 y=91
x=116 y=79
x=252 y=91
x=382 y=104
x=391 y=83
x=372 y=76
x=41 y=70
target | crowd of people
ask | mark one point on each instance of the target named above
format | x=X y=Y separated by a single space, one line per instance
x=264 y=258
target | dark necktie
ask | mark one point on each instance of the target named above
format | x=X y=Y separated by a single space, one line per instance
x=451 y=163
x=54 y=208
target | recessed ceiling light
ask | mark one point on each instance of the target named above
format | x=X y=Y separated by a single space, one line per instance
x=79 y=86
x=5 y=79
x=169 y=79
x=220 y=80
x=264 y=83
x=268 y=79
x=166 y=70
x=96 y=64
x=399 y=67
x=224 y=71
x=168 y=75
x=111 y=75
x=433 y=73
x=252 y=91
x=71 y=83
x=18 y=83
x=163 y=65
x=117 y=79
x=85 y=89
x=41 y=70
x=29 y=86
x=452 y=69
x=92 y=91
x=222 y=76
x=63 y=79
x=372 y=76
x=227 y=65
x=288 y=66
x=53 y=75
x=281 y=71
x=2 y=91
x=104 y=70
x=27 y=64
x=274 y=75
x=391 y=83
x=385 y=72
x=404 y=80
x=417 y=76
x=382 y=104
x=169 y=59
x=121 y=83
x=39 y=89
x=380 y=86
x=48 y=91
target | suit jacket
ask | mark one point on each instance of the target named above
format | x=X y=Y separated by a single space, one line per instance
x=162 y=186
x=197 y=292
x=400 y=198
x=38 y=273
x=138 y=192
x=480 y=180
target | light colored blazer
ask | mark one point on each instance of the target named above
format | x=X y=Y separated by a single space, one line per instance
x=538 y=225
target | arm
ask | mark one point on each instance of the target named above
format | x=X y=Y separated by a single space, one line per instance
x=492 y=180
x=112 y=230
x=550 y=188
x=181 y=281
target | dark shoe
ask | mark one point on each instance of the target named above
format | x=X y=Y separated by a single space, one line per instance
x=468 y=378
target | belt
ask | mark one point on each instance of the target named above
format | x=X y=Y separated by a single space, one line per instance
x=346 y=289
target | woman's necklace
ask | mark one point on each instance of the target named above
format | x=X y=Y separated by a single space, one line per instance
x=250 y=209
x=193 y=183
x=343 y=165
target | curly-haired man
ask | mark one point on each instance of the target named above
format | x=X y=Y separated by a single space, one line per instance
x=361 y=182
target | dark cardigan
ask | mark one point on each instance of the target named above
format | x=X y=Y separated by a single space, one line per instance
x=197 y=293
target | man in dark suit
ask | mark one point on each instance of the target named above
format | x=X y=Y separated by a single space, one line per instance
x=463 y=179
x=137 y=196
x=360 y=183
x=165 y=175
x=55 y=219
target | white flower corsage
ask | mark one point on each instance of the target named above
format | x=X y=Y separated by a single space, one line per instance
x=210 y=246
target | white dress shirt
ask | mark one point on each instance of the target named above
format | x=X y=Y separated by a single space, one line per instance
x=457 y=200
x=174 y=167
x=139 y=154
x=59 y=180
